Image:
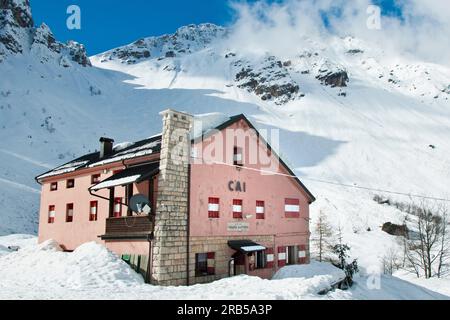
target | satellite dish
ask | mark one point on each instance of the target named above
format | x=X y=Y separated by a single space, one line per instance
x=140 y=204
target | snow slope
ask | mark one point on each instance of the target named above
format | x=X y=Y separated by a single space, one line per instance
x=375 y=132
x=92 y=272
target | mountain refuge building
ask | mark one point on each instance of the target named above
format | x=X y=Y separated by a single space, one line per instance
x=219 y=202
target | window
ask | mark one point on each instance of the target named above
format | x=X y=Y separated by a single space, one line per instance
x=69 y=212
x=95 y=178
x=237 y=209
x=117 y=171
x=54 y=186
x=70 y=183
x=260 y=209
x=213 y=207
x=302 y=259
x=237 y=156
x=261 y=259
x=93 y=211
x=117 y=207
x=51 y=214
x=292 y=208
x=205 y=264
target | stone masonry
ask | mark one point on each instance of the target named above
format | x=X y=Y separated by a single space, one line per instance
x=171 y=230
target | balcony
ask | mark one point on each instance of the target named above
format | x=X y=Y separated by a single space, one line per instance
x=128 y=228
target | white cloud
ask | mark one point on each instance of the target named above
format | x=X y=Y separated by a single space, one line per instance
x=282 y=28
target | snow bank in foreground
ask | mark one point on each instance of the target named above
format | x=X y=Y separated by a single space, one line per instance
x=311 y=270
x=92 y=272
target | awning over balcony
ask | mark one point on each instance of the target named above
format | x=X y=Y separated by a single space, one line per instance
x=128 y=176
x=245 y=246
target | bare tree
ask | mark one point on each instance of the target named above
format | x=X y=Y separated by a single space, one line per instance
x=427 y=244
x=323 y=234
x=391 y=261
x=444 y=250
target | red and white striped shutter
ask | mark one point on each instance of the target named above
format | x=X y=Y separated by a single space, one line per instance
x=237 y=209
x=213 y=208
x=211 y=262
x=117 y=207
x=302 y=254
x=260 y=210
x=270 y=257
x=93 y=211
x=282 y=256
x=51 y=214
x=292 y=208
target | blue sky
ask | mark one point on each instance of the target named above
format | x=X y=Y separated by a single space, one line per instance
x=106 y=24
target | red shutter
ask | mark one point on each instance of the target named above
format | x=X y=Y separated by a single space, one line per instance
x=281 y=256
x=213 y=207
x=237 y=209
x=93 y=211
x=302 y=254
x=270 y=257
x=69 y=212
x=260 y=209
x=117 y=207
x=292 y=208
x=252 y=262
x=51 y=214
x=211 y=263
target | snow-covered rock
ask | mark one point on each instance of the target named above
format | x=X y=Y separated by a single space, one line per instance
x=19 y=36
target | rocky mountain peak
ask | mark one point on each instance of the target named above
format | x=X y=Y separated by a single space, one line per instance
x=19 y=36
x=19 y=11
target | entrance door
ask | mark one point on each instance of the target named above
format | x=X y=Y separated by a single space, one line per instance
x=239 y=263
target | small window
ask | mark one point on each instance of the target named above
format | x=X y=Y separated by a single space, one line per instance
x=70 y=183
x=95 y=178
x=260 y=209
x=69 y=212
x=237 y=156
x=213 y=207
x=292 y=208
x=205 y=264
x=237 y=209
x=51 y=214
x=93 y=211
x=54 y=186
x=261 y=260
x=117 y=207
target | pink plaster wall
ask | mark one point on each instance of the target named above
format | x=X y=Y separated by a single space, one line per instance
x=212 y=181
x=70 y=235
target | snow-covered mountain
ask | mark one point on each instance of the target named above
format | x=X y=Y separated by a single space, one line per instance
x=348 y=113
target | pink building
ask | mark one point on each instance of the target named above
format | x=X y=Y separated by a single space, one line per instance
x=222 y=203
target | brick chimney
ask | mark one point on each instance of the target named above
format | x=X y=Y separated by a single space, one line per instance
x=106 y=147
x=170 y=255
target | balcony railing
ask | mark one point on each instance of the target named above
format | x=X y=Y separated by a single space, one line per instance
x=135 y=227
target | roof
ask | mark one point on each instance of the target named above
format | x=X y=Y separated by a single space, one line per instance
x=153 y=145
x=144 y=147
x=135 y=174
x=240 y=117
x=245 y=246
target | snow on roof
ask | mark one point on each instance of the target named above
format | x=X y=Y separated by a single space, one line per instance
x=123 y=151
x=117 y=182
x=69 y=167
x=122 y=145
x=143 y=150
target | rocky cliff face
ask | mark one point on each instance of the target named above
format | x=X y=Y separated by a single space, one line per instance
x=185 y=40
x=19 y=36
